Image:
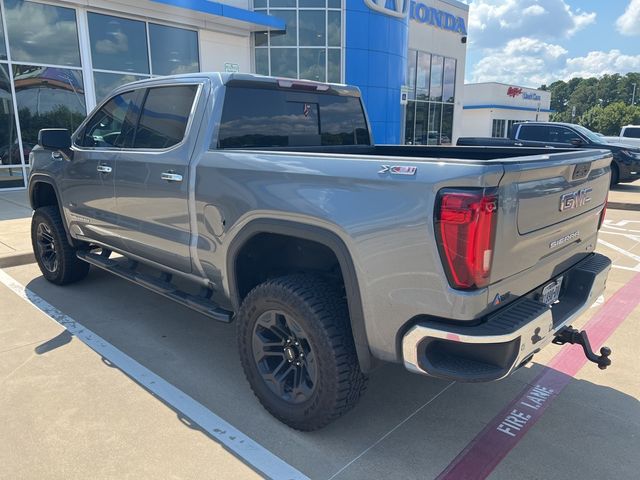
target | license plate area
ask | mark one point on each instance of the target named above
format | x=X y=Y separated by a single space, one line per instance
x=551 y=292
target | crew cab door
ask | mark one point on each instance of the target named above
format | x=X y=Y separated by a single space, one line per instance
x=152 y=179
x=88 y=176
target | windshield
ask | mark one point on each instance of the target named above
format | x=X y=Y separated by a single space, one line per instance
x=588 y=133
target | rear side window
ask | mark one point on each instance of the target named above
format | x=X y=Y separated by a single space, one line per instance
x=632 y=132
x=256 y=117
x=111 y=126
x=534 y=133
x=164 y=117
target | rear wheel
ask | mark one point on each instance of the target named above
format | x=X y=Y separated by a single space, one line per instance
x=55 y=256
x=297 y=351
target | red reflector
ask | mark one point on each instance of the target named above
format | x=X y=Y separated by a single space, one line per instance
x=465 y=227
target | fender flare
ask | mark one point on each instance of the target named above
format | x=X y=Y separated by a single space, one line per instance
x=41 y=178
x=324 y=237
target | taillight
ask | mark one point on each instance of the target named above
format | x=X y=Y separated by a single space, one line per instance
x=465 y=222
x=603 y=212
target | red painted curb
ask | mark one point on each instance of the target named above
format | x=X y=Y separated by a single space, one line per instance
x=485 y=452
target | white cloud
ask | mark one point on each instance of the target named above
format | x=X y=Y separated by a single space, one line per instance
x=531 y=62
x=629 y=22
x=494 y=22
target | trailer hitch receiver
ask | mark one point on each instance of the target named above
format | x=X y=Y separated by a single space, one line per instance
x=573 y=336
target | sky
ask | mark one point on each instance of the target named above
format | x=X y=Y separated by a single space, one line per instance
x=536 y=42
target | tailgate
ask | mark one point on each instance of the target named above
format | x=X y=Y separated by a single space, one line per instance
x=549 y=212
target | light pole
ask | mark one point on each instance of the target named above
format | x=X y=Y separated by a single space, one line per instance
x=633 y=95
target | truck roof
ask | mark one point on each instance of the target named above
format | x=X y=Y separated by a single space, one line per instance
x=225 y=78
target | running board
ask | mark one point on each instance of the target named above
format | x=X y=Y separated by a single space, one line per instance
x=161 y=285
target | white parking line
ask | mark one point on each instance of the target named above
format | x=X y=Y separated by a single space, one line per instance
x=244 y=447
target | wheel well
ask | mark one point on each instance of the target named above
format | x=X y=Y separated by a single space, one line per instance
x=43 y=194
x=270 y=255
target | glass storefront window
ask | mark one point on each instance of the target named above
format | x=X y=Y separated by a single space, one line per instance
x=105 y=83
x=447 y=125
x=423 y=75
x=435 y=123
x=284 y=62
x=449 y=83
x=118 y=44
x=409 y=123
x=47 y=97
x=259 y=4
x=334 y=3
x=312 y=64
x=333 y=28
x=410 y=80
x=9 y=145
x=11 y=177
x=334 y=66
x=437 y=64
x=262 y=61
x=173 y=50
x=311 y=3
x=40 y=33
x=282 y=3
x=3 y=46
x=289 y=37
x=312 y=28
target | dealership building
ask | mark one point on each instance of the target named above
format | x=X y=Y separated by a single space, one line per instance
x=490 y=109
x=58 y=59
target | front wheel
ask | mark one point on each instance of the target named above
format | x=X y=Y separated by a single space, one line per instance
x=55 y=256
x=297 y=351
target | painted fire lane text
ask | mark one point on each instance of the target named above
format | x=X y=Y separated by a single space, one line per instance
x=518 y=418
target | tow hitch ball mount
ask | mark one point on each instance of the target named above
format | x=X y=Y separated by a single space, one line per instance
x=573 y=336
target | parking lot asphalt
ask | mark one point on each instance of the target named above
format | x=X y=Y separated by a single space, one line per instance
x=69 y=411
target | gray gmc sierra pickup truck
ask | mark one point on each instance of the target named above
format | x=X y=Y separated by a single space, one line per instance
x=264 y=201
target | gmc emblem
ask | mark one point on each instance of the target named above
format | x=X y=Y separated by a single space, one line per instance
x=576 y=199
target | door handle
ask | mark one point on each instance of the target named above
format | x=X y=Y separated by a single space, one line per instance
x=104 y=169
x=170 y=176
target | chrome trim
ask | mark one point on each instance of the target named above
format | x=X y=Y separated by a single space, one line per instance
x=542 y=326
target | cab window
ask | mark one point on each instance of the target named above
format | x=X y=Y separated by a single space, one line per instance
x=111 y=126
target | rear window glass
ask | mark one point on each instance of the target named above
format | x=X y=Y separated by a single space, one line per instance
x=632 y=132
x=256 y=117
x=165 y=116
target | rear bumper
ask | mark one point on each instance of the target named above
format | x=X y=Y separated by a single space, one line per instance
x=509 y=337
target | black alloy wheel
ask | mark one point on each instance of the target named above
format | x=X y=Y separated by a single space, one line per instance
x=46 y=247
x=284 y=357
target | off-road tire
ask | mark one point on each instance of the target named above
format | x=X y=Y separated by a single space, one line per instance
x=69 y=268
x=320 y=309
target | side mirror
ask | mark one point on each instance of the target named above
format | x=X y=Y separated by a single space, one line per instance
x=577 y=142
x=54 y=138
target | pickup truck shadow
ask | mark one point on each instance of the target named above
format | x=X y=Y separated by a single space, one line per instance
x=421 y=426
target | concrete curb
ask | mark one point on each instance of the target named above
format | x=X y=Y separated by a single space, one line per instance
x=16 y=259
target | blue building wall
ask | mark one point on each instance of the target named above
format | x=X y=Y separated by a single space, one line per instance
x=376 y=61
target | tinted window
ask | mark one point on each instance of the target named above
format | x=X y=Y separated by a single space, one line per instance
x=254 y=117
x=41 y=33
x=118 y=44
x=165 y=116
x=173 y=50
x=562 y=135
x=632 y=132
x=534 y=133
x=110 y=126
x=3 y=47
x=48 y=97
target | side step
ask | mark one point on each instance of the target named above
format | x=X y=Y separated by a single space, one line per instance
x=161 y=285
